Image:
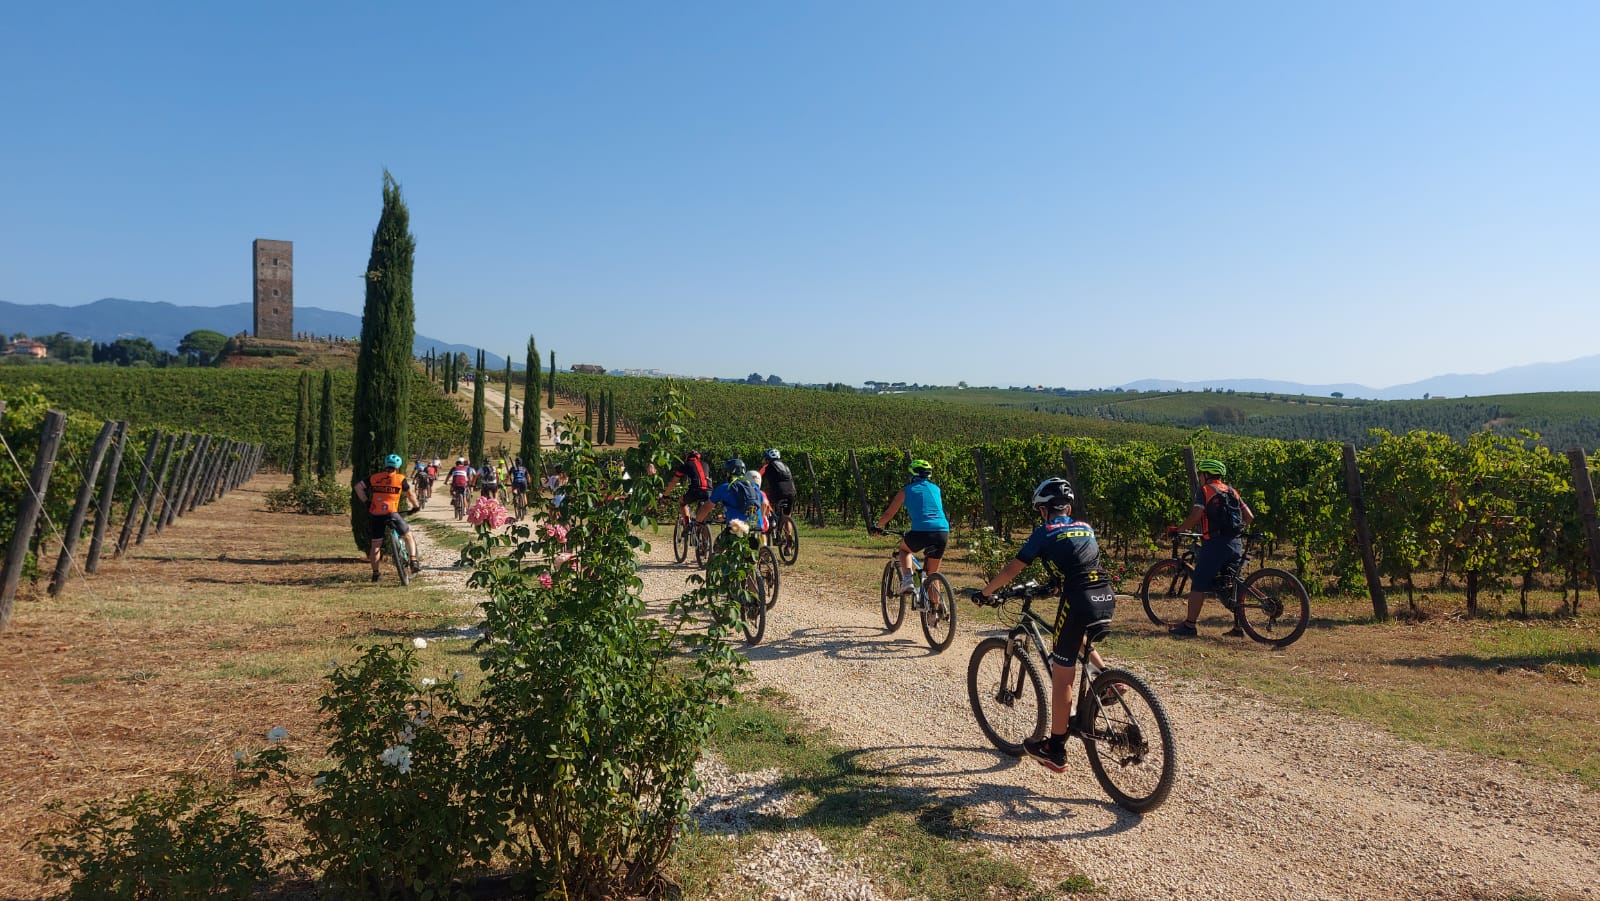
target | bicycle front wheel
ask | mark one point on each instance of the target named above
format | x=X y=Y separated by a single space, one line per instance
x=1274 y=607
x=1165 y=592
x=753 y=610
x=767 y=568
x=1129 y=740
x=1007 y=693
x=788 y=541
x=680 y=540
x=939 y=613
x=894 y=603
x=397 y=553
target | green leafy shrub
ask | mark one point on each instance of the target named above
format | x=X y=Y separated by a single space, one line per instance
x=394 y=814
x=594 y=711
x=324 y=497
x=190 y=842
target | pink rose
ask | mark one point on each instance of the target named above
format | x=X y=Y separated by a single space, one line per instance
x=545 y=580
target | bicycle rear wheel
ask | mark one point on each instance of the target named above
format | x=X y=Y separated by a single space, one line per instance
x=767 y=568
x=753 y=609
x=680 y=540
x=788 y=540
x=894 y=603
x=397 y=553
x=1007 y=694
x=939 y=614
x=1129 y=741
x=1165 y=592
x=1274 y=607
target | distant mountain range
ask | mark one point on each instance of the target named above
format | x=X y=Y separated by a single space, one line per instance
x=165 y=324
x=1582 y=374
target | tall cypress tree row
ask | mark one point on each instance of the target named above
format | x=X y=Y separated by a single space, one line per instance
x=505 y=413
x=600 y=419
x=327 y=462
x=475 y=444
x=588 y=417
x=611 y=418
x=302 y=431
x=552 y=403
x=530 y=409
x=383 y=367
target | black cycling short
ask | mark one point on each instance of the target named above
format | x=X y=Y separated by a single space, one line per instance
x=1080 y=608
x=694 y=497
x=930 y=544
x=783 y=504
x=378 y=525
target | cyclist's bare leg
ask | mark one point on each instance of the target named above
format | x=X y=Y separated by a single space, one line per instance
x=411 y=545
x=902 y=555
x=931 y=564
x=1197 y=599
x=372 y=553
x=1061 y=682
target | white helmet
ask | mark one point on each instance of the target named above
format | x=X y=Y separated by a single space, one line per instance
x=435 y=461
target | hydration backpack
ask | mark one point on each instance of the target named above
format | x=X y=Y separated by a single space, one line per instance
x=749 y=496
x=1224 y=514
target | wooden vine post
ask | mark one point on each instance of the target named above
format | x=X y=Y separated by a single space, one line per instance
x=983 y=490
x=141 y=491
x=1194 y=474
x=817 y=518
x=1583 y=485
x=108 y=498
x=55 y=427
x=1081 y=507
x=80 y=510
x=156 y=489
x=1358 y=519
x=861 y=490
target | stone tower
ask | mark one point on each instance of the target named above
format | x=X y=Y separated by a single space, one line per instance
x=274 y=288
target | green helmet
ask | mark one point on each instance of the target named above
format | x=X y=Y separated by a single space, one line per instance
x=1213 y=467
x=921 y=468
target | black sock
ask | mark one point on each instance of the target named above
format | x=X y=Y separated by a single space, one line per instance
x=1058 y=742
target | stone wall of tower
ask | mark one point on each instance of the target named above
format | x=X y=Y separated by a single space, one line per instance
x=274 y=288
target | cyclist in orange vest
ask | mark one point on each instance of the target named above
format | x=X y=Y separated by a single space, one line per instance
x=382 y=492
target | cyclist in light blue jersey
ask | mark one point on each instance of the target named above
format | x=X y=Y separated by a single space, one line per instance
x=930 y=530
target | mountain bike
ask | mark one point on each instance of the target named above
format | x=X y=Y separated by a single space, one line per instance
x=750 y=594
x=766 y=561
x=689 y=535
x=931 y=596
x=519 y=501
x=424 y=491
x=458 y=501
x=1270 y=605
x=1125 y=730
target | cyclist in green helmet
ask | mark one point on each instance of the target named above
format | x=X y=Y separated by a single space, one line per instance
x=930 y=530
x=1222 y=516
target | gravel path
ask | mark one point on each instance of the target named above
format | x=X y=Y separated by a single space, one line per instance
x=1270 y=802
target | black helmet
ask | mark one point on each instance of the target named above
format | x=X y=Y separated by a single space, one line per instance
x=693 y=455
x=1053 y=493
x=733 y=466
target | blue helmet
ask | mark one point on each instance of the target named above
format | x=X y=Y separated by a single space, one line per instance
x=394 y=461
x=733 y=466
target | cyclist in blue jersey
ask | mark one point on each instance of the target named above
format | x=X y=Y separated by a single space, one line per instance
x=930 y=530
x=1069 y=548
x=741 y=498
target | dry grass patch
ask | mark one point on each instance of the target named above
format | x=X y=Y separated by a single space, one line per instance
x=190 y=647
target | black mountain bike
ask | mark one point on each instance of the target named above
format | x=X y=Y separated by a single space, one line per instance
x=930 y=594
x=1124 y=727
x=1270 y=605
x=786 y=537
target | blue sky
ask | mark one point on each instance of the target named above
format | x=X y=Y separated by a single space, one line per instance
x=1076 y=194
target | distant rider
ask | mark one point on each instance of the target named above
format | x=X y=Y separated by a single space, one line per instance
x=1222 y=516
x=777 y=482
x=930 y=530
x=691 y=470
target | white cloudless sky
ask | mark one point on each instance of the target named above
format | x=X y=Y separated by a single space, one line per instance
x=1065 y=193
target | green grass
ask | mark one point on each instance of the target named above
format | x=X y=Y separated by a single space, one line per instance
x=913 y=844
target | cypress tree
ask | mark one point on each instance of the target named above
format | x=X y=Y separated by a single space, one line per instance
x=552 y=403
x=302 y=430
x=588 y=417
x=475 y=444
x=600 y=419
x=383 y=366
x=530 y=409
x=611 y=418
x=505 y=413
x=326 y=462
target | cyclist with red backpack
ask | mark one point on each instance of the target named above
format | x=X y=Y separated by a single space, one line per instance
x=461 y=478
x=1222 y=516
x=692 y=471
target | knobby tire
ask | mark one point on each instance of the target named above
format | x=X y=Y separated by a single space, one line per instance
x=1165 y=592
x=1274 y=607
x=788 y=540
x=767 y=568
x=894 y=603
x=1007 y=693
x=938 y=623
x=1130 y=746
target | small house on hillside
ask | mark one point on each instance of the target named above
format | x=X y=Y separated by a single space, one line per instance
x=27 y=348
x=589 y=368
